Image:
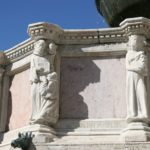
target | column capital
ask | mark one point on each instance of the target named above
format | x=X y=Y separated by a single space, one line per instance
x=136 y=26
x=43 y=30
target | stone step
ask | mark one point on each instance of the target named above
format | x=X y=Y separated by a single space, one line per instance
x=100 y=146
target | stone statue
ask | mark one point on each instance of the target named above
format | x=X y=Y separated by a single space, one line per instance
x=136 y=65
x=44 y=84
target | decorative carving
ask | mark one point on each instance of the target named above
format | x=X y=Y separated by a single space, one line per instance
x=45 y=30
x=93 y=36
x=44 y=84
x=136 y=26
x=136 y=65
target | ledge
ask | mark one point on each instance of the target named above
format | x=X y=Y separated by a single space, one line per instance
x=79 y=37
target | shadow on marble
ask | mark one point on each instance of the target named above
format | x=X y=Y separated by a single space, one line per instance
x=76 y=75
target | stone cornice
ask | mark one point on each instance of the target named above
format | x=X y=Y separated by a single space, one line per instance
x=137 y=26
x=44 y=30
x=95 y=36
x=19 y=51
x=82 y=36
x=87 y=36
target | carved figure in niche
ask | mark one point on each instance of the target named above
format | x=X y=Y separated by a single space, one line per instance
x=136 y=65
x=44 y=84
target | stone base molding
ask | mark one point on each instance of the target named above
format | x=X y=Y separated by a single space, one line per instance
x=136 y=132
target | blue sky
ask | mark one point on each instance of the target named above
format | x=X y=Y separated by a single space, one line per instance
x=16 y=15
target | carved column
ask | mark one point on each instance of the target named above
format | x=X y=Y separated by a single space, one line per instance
x=44 y=77
x=44 y=83
x=136 y=90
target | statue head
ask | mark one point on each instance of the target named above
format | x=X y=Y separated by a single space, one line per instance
x=142 y=58
x=39 y=47
x=136 y=42
x=52 y=76
x=52 y=48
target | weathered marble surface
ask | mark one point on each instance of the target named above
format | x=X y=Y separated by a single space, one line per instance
x=19 y=110
x=92 y=87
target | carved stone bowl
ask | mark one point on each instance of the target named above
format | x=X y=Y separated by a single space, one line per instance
x=115 y=11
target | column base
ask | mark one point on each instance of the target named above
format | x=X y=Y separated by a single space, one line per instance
x=42 y=133
x=136 y=132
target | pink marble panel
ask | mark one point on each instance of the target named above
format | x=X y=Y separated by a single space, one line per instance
x=19 y=101
x=92 y=87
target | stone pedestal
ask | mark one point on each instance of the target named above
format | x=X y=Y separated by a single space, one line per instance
x=136 y=132
x=40 y=134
